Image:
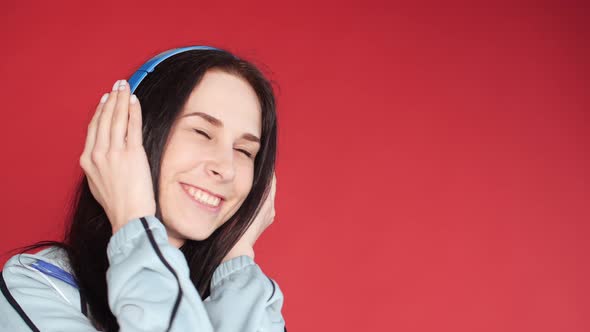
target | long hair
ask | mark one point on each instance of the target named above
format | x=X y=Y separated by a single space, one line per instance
x=162 y=94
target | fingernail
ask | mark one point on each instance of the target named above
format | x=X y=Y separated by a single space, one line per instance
x=122 y=84
x=133 y=99
x=104 y=98
x=115 y=86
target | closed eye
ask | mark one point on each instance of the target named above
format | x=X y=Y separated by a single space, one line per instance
x=248 y=154
x=202 y=133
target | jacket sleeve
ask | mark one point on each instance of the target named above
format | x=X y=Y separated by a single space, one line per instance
x=240 y=289
x=149 y=289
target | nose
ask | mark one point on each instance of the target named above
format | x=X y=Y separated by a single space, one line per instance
x=221 y=165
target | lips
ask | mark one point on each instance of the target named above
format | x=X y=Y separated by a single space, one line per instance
x=221 y=197
x=203 y=198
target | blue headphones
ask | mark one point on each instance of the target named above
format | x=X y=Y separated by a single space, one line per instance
x=149 y=66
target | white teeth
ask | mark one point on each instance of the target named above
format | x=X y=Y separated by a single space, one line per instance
x=203 y=197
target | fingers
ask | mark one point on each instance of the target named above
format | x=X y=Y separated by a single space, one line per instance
x=92 y=128
x=116 y=116
x=134 y=128
x=273 y=188
x=120 y=116
x=103 y=134
x=114 y=119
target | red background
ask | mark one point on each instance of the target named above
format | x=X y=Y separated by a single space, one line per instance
x=434 y=160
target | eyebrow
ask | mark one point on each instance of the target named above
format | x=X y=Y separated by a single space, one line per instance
x=217 y=123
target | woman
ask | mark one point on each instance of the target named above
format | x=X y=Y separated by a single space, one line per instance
x=179 y=184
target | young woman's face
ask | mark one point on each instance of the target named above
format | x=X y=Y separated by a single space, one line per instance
x=208 y=163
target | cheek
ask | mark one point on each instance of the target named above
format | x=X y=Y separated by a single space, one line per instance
x=179 y=157
x=244 y=180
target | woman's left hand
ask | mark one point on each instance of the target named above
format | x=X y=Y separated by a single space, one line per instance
x=264 y=218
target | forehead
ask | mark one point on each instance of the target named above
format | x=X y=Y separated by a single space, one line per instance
x=228 y=98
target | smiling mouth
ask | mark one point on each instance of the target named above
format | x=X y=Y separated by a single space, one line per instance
x=203 y=198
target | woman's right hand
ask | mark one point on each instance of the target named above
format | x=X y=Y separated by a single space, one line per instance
x=114 y=160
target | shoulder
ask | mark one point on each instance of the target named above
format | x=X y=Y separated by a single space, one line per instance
x=54 y=256
x=36 y=286
x=46 y=272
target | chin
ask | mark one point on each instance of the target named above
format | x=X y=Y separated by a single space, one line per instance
x=195 y=232
x=199 y=236
x=179 y=232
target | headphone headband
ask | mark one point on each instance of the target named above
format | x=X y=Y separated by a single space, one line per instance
x=149 y=66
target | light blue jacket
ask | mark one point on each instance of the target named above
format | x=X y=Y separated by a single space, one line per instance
x=149 y=289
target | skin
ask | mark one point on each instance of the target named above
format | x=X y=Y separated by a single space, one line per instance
x=197 y=153
x=211 y=156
